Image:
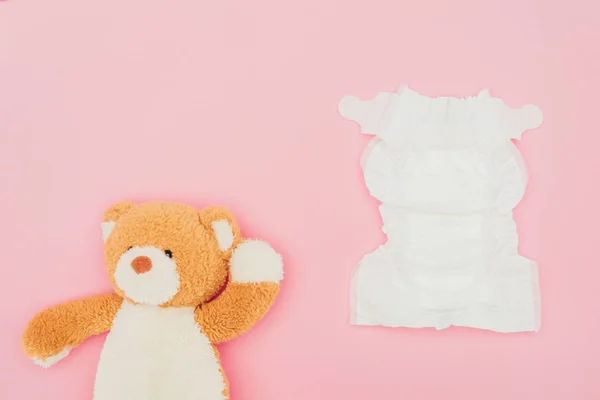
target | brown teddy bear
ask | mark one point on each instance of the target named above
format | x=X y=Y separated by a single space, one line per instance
x=185 y=280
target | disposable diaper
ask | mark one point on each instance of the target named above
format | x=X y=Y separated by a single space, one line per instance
x=448 y=177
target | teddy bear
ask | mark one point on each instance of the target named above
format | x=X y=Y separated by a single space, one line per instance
x=184 y=281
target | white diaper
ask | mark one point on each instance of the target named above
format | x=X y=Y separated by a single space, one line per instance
x=448 y=177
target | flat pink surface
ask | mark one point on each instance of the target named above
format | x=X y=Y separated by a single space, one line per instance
x=235 y=102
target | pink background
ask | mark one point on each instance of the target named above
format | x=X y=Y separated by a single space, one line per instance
x=235 y=103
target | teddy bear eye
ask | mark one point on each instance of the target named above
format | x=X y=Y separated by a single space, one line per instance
x=169 y=253
x=129 y=248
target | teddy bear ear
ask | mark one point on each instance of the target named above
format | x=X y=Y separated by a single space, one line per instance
x=220 y=221
x=112 y=215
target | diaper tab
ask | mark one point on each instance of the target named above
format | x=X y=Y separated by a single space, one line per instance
x=523 y=119
x=368 y=113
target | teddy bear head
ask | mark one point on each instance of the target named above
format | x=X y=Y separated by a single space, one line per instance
x=168 y=254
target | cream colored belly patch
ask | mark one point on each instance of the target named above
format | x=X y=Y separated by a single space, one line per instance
x=154 y=353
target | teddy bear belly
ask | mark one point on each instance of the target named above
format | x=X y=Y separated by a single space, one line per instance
x=154 y=353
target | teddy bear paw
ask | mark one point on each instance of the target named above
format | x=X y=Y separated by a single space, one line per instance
x=50 y=361
x=256 y=261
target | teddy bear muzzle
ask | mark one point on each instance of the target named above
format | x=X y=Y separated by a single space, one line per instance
x=141 y=264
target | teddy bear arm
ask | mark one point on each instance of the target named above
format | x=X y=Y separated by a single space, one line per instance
x=52 y=333
x=236 y=310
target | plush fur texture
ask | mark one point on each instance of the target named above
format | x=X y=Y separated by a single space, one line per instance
x=254 y=253
x=156 y=284
x=223 y=234
x=68 y=325
x=50 y=361
x=176 y=297
x=184 y=366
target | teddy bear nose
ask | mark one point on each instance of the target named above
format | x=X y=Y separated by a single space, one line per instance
x=141 y=264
